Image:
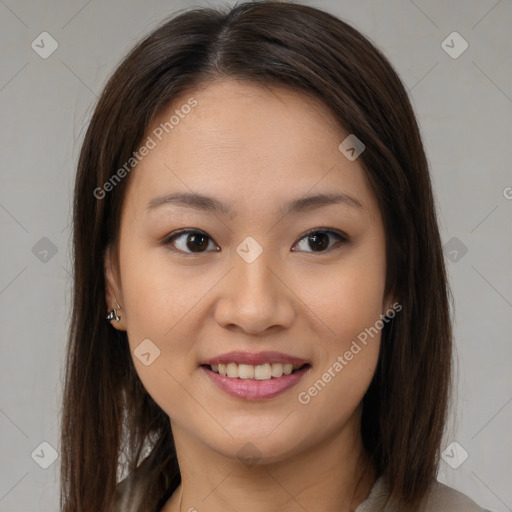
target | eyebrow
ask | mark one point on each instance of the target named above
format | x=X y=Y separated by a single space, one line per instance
x=211 y=204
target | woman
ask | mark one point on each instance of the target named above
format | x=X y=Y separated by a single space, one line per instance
x=254 y=187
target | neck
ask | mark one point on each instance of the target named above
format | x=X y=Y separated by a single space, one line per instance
x=334 y=475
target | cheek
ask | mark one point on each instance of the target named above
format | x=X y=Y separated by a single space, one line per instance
x=347 y=297
x=350 y=306
x=158 y=294
x=160 y=300
x=159 y=297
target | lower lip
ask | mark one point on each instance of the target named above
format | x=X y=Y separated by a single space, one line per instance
x=252 y=389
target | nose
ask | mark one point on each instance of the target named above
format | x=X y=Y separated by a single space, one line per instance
x=254 y=297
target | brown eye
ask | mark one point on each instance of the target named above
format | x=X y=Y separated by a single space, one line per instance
x=189 y=241
x=318 y=240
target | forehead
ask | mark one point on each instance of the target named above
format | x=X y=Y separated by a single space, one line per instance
x=240 y=116
x=245 y=143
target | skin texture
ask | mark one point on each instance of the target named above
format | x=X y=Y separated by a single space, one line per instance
x=256 y=149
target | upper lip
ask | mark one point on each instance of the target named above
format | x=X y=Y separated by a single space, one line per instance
x=255 y=358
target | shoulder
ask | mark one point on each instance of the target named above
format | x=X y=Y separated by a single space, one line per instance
x=440 y=498
x=446 y=499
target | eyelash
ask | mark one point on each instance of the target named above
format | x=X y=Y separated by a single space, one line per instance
x=342 y=239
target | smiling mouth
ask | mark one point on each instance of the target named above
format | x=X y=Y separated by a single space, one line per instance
x=266 y=371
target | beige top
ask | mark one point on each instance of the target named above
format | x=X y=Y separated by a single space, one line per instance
x=441 y=499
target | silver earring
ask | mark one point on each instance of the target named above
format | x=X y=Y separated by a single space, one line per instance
x=112 y=315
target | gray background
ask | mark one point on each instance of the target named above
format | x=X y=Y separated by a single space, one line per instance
x=464 y=106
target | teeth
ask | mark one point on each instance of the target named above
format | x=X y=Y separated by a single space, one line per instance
x=259 y=372
x=276 y=369
x=232 y=370
x=263 y=371
x=245 y=371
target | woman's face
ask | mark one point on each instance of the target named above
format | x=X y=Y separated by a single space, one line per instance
x=253 y=276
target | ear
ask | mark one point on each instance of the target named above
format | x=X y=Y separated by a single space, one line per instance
x=113 y=290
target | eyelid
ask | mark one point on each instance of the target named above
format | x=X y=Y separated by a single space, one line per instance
x=331 y=231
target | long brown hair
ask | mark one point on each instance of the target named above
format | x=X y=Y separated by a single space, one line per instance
x=108 y=417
